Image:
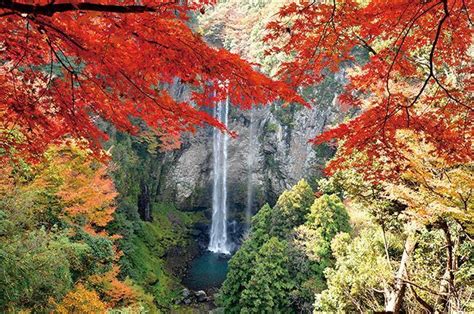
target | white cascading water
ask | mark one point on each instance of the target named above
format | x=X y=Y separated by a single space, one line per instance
x=250 y=164
x=219 y=242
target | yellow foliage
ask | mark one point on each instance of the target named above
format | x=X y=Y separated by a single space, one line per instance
x=81 y=300
x=89 y=195
x=81 y=182
x=430 y=187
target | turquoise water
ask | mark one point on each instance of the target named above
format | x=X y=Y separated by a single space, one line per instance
x=207 y=271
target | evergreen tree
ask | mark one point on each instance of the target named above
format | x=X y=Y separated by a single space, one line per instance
x=240 y=272
x=271 y=229
x=291 y=209
x=270 y=283
x=262 y=225
x=327 y=218
x=281 y=246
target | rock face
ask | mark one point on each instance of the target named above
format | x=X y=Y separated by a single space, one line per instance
x=144 y=203
x=272 y=145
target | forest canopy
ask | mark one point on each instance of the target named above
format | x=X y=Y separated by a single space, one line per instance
x=67 y=65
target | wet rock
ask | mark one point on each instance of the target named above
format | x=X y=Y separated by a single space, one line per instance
x=201 y=296
x=185 y=293
x=195 y=233
x=201 y=227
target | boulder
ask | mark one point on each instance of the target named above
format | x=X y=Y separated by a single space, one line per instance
x=201 y=296
x=185 y=293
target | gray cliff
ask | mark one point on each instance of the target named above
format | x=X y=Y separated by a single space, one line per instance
x=272 y=144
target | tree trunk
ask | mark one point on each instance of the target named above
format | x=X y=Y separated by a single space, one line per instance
x=394 y=295
x=447 y=281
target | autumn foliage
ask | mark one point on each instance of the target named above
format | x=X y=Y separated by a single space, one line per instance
x=62 y=205
x=113 y=290
x=71 y=68
x=82 y=184
x=67 y=65
x=81 y=300
x=416 y=74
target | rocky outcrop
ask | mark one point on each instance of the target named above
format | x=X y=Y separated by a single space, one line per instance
x=144 y=202
x=189 y=297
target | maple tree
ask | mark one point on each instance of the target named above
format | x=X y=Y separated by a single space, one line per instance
x=68 y=64
x=416 y=76
x=114 y=291
x=81 y=300
x=81 y=183
x=430 y=188
x=435 y=194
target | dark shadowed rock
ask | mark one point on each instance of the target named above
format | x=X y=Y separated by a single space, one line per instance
x=201 y=296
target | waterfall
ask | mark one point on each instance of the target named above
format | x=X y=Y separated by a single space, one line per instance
x=250 y=166
x=219 y=242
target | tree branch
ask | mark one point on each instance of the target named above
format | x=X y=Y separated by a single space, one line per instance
x=52 y=8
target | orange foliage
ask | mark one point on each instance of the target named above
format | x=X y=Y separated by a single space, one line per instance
x=89 y=195
x=82 y=183
x=81 y=300
x=6 y=181
x=112 y=289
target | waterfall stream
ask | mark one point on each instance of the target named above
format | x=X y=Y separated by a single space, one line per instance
x=250 y=166
x=219 y=242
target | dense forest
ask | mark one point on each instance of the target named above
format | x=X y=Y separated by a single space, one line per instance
x=231 y=156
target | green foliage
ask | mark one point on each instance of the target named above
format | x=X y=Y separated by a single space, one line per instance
x=271 y=127
x=259 y=280
x=357 y=280
x=144 y=251
x=272 y=164
x=323 y=151
x=363 y=276
x=35 y=268
x=42 y=252
x=240 y=271
x=366 y=196
x=145 y=244
x=291 y=209
x=328 y=217
x=97 y=258
x=285 y=114
x=276 y=269
x=429 y=263
x=261 y=225
x=270 y=281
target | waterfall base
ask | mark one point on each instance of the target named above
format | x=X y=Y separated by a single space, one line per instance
x=207 y=271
